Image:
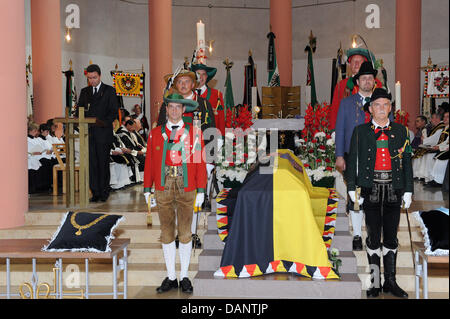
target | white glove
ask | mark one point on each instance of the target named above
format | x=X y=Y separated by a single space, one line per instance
x=199 y=199
x=209 y=168
x=152 y=202
x=352 y=195
x=147 y=195
x=407 y=199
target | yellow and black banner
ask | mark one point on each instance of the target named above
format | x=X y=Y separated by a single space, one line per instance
x=129 y=84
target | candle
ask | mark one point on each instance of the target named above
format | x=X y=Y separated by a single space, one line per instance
x=398 y=97
x=200 y=42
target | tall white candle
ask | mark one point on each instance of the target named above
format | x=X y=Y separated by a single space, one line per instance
x=201 y=42
x=398 y=96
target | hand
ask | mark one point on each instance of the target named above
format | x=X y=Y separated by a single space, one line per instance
x=407 y=199
x=352 y=195
x=340 y=164
x=199 y=200
x=147 y=195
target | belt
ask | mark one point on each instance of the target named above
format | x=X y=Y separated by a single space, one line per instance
x=382 y=176
x=174 y=171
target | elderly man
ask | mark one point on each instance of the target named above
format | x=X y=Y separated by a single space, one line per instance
x=346 y=87
x=351 y=114
x=380 y=163
x=176 y=167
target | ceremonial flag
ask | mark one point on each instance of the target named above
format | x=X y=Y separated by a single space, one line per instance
x=310 y=49
x=228 y=99
x=250 y=81
x=69 y=90
x=338 y=70
x=272 y=66
x=280 y=223
x=129 y=84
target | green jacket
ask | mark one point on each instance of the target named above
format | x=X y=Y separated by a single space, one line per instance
x=363 y=149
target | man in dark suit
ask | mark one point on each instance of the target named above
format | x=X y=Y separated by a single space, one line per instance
x=100 y=101
x=380 y=163
x=351 y=114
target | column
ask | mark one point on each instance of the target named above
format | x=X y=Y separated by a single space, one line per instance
x=408 y=55
x=46 y=40
x=13 y=162
x=281 y=22
x=160 y=47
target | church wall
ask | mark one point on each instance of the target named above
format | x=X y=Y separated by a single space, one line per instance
x=113 y=32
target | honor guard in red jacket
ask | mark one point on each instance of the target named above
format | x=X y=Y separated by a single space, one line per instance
x=175 y=165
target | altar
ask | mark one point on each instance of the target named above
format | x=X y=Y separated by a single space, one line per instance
x=290 y=124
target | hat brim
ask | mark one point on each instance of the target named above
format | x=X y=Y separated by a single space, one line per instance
x=357 y=75
x=210 y=71
x=190 y=105
x=360 y=51
x=367 y=104
x=189 y=74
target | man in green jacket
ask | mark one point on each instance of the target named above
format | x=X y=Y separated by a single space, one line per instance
x=379 y=163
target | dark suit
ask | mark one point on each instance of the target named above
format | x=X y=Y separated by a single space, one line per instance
x=381 y=205
x=103 y=106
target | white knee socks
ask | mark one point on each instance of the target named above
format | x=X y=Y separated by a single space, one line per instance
x=185 y=258
x=357 y=219
x=170 y=252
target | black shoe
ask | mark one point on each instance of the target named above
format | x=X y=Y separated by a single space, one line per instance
x=390 y=264
x=207 y=205
x=196 y=243
x=373 y=292
x=167 y=285
x=390 y=286
x=94 y=199
x=357 y=243
x=177 y=241
x=186 y=285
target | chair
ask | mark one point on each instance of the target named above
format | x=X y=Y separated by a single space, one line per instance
x=60 y=149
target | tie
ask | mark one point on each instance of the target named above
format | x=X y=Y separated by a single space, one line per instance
x=199 y=92
x=379 y=131
x=95 y=91
x=174 y=132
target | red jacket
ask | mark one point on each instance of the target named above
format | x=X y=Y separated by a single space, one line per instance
x=215 y=98
x=193 y=163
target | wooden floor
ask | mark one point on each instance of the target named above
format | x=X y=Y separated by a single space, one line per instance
x=131 y=200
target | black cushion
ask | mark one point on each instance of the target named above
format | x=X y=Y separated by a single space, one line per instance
x=84 y=232
x=435 y=228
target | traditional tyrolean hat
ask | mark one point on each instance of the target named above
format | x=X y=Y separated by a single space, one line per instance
x=366 y=68
x=190 y=105
x=210 y=71
x=377 y=94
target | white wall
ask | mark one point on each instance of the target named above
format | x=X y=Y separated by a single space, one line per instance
x=114 y=32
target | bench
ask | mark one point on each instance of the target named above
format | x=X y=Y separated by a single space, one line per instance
x=422 y=261
x=31 y=248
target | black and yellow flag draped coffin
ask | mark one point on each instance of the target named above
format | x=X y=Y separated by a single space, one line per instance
x=277 y=221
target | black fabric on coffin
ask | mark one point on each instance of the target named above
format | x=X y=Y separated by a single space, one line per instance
x=93 y=239
x=437 y=224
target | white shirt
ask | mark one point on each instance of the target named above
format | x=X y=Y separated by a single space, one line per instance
x=169 y=124
x=379 y=126
x=202 y=89
x=98 y=88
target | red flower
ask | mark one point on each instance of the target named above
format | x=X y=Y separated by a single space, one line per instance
x=329 y=168
x=306 y=165
x=318 y=160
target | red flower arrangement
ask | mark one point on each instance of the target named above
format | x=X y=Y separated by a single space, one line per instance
x=317 y=144
x=401 y=117
x=239 y=117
